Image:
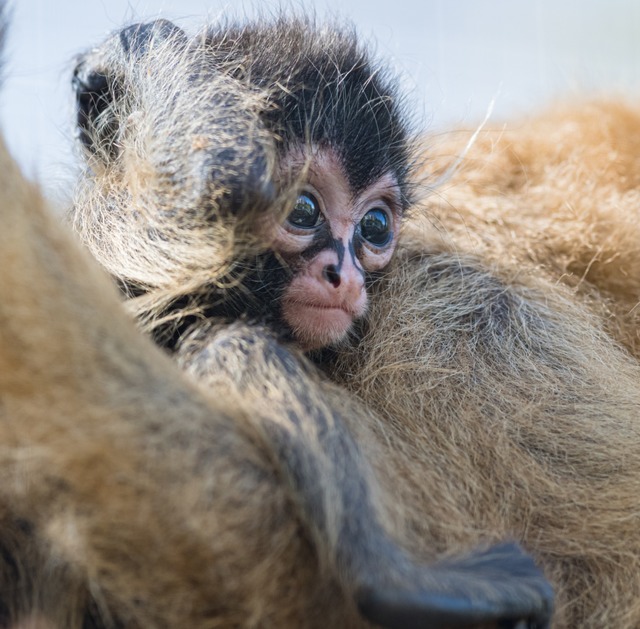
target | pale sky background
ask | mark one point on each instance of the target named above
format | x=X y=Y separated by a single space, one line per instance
x=456 y=56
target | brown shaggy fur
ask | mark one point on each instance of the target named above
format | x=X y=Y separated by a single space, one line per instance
x=131 y=498
x=501 y=354
x=557 y=194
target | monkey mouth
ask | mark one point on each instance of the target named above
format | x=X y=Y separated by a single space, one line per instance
x=318 y=324
x=329 y=309
x=335 y=313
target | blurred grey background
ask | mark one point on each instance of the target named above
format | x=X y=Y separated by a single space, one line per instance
x=457 y=58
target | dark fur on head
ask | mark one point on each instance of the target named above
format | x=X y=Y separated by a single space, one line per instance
x=329 y=92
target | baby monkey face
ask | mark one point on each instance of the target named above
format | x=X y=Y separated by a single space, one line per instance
x=332 y=239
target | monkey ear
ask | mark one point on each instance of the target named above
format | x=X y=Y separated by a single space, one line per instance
x=100 y=81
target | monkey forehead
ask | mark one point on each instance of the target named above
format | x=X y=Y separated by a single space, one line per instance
x=325 y=87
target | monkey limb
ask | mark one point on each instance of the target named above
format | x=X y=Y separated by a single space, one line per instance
x=300 y=417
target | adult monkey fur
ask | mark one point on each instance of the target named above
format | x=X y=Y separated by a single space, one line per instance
x=132 y=498
x=499 y=353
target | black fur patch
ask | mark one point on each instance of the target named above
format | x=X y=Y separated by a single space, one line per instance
x=325 y=90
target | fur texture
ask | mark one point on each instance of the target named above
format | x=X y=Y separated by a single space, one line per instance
x=498 y=363
x=556 y=193
x=132 y=497
x=501 y=354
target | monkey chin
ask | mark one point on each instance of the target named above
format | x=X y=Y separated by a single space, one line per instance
x=317 y=326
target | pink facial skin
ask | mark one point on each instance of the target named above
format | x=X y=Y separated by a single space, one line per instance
x=320 y=304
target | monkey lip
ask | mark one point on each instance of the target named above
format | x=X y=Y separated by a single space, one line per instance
x=322 y=306
x=324 y=319
x=318 y=323
x=330 y=308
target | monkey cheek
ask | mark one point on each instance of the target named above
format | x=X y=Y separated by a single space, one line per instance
x=316 y=326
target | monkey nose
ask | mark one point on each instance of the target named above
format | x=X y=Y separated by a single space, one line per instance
x=332 y=275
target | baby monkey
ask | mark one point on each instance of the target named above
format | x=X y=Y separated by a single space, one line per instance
x=317 y=123
x=258 y=174
x=342 y=140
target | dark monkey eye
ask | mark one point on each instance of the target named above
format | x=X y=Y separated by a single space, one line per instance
x=306 y=212
x=375 y=227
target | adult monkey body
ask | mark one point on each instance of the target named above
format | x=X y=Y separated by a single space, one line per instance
x=515 y=346
x=119 y=500
x=507 y=408
x=501 y=416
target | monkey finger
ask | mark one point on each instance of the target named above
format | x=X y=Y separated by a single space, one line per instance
x=416 y=610
x=500 y=585
x=423 y=610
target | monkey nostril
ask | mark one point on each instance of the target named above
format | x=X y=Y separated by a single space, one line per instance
x=332 y=275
